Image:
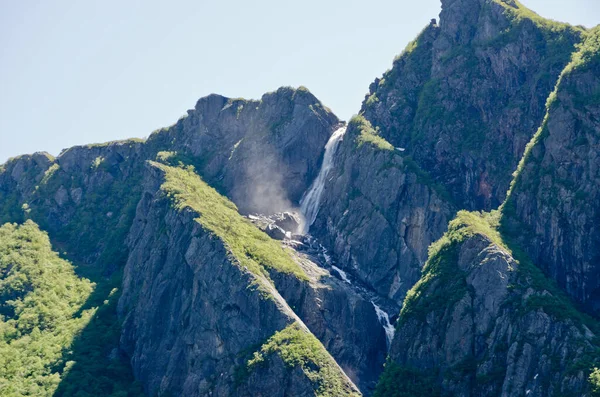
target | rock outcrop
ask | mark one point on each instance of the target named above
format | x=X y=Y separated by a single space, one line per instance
x=481 y=323
x=554 y=205
x=197 y=301
x=380 y=213
x=262 y=154
x=468 y=94
x=446 y=128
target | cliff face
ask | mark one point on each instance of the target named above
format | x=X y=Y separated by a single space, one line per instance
x=466 y=96
x=380 y=213
x=452 y=116
x=212 y=306
x=262 y=154
x=224 y=297
x=554 y=205
x=268 y=150
x=480 y=323
x=197 y=300
x=86 y=199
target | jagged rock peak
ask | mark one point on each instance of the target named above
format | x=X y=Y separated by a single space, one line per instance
x=216 y=102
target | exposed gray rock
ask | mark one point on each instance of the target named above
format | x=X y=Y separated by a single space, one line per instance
x=378 y=217
x=554 y=208
x=193 y=315
x=275 y=232
x=478 y=324
x=465 y=98
x=262 y=154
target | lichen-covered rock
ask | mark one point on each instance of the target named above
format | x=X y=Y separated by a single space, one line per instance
x=380 y=213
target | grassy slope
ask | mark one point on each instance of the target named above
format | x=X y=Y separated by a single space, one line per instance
x=252 y=247
x=296 y=347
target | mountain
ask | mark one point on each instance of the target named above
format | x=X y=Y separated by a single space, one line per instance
x=442 y=242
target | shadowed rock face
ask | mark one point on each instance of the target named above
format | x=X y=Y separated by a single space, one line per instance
x=476 y=325
x=554 y=208
x=378 y=217
x=262 y=154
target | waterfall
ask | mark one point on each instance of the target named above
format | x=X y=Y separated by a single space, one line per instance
x=309 y=205
x=384 y=319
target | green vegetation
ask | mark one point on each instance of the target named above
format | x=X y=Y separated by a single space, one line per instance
x=442 y=283
x=45 y=313
x=251 y=247
x=129 y=141
x=367 y=134
x=299 y=348
x=519 y=12
x=399 y=381
x=594 y=380
x=39 y=297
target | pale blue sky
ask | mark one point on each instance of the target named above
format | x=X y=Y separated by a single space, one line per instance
x=75 y=72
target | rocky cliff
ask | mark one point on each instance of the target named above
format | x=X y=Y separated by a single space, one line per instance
x=467 y=95
x=554 y=203
x=197 y=301
x=451 y=120
x=86 y=199
x=380 y=212
x=481 y=323
x=174 y=290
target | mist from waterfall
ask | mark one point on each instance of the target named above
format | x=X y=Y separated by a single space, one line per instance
x=309 y=205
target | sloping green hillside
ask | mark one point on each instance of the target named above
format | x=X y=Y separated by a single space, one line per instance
x=44 y=313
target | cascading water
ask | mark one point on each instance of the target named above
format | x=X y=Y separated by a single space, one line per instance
x=384 y=319
x=309 y=205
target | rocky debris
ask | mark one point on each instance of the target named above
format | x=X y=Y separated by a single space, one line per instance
x=280 y=226
x=275 y=232
x=477 y=325
x=288 y=221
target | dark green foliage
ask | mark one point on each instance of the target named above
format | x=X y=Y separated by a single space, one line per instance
x=94 y=365
x=54 y=326
x=399 y=381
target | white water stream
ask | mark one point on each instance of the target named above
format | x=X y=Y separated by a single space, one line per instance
x=309 y=205
x=384 y=319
